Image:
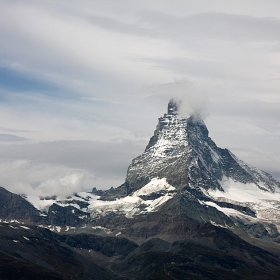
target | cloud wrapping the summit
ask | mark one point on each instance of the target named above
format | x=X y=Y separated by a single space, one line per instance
x=190 y=98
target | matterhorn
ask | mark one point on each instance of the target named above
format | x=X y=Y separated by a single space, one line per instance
x=187 y=210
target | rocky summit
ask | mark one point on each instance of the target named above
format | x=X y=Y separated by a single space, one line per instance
x=187 y=210
x=182 y=152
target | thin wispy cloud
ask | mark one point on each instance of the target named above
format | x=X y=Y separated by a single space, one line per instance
x=11 y=138
x=217 y=26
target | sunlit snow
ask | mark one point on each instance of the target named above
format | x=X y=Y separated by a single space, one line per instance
x=266 y=204
x=155 y=185
x=128 y=205
x=241 y=192
x=25 y=227
x=41 y=204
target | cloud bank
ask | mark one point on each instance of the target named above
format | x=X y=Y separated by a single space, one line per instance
x=63 y=167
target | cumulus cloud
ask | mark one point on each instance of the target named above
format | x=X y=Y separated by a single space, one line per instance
x=192 y=101
x=26 y=177
x=63 y=167
x=61 y=187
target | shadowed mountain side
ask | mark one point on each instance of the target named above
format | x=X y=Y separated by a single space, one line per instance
x=14 y=207
x=212 y=253
x=37 y=253
x=206 y=252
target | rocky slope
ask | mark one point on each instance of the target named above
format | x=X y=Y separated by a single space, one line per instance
x=15 y=207
x=205 y=252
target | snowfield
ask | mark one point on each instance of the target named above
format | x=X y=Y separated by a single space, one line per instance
x=266 y=204
x=129 y=205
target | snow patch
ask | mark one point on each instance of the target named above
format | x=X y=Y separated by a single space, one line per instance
x=265 y=204
x=24 y=227
x=14 y=221
x=159 y=201
x=13 y=227
x=40 y=204
x=225 y=210
x=130 y=205
x=108 y=231
x=155 y=185
x=241 y=192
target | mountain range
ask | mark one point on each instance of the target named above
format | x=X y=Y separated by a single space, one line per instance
x=187 y=210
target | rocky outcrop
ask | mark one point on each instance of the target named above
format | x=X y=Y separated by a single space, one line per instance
x=14 y=207
x=67 y=215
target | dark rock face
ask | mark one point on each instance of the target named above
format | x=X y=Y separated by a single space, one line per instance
x=212 y=253
x=108 y=246
x=13 y=206
x=206 y=252
x=173 y=228
x=68 y=215
x=36 y=253
x=244 y=209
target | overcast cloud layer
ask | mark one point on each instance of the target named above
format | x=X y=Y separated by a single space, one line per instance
x=82 y=84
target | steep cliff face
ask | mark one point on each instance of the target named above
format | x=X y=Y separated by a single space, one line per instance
x=167 y=155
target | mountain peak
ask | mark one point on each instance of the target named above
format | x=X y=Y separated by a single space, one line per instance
x=172 y=108
x=182 y=152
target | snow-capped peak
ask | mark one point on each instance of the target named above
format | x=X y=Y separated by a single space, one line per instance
x=182 y=152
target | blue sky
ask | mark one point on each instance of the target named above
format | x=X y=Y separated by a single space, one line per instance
x=82 y=84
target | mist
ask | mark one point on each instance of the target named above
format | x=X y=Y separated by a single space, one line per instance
x=190 y=98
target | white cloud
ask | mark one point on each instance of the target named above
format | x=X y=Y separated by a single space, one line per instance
x=103 y=71
x=43 y=179
x=61 y=187
x=64 y=167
